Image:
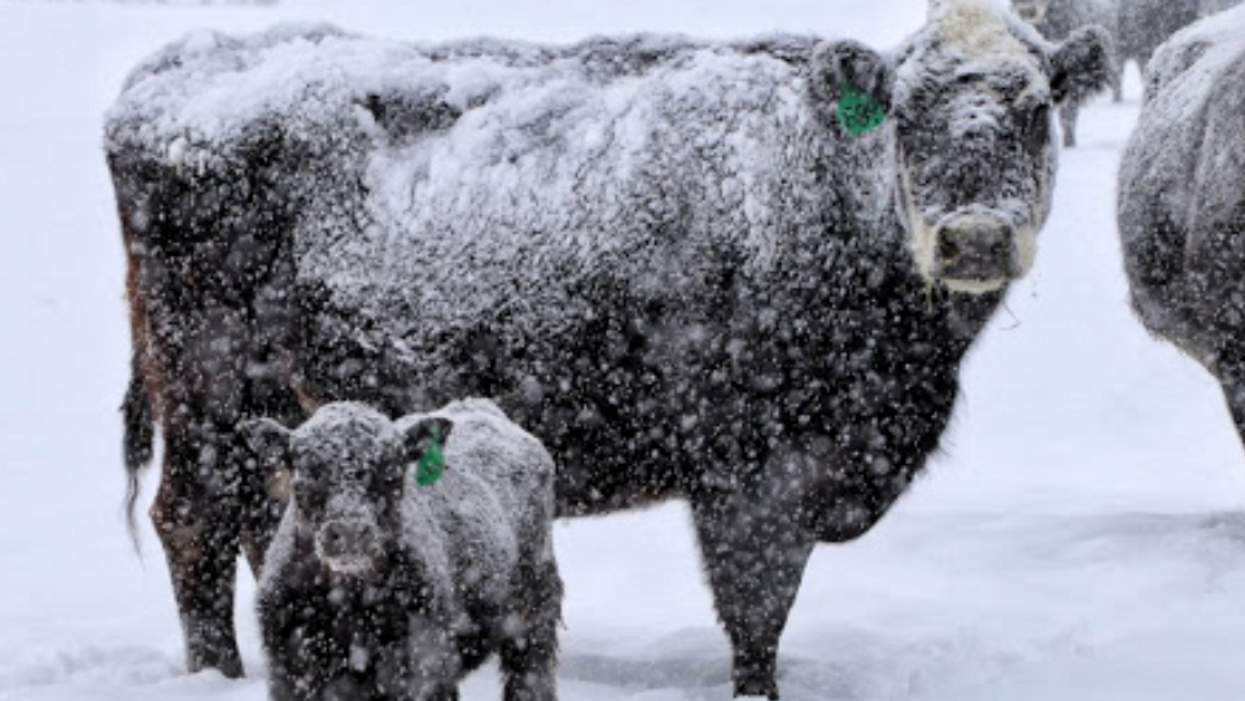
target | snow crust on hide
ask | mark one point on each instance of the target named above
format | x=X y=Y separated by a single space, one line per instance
x=512 y=170
x=1181 y=200
x=1198 y=55
x=1189 y=75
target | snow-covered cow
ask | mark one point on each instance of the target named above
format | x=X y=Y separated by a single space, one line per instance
x=1057 y=20
x=741 y=274
x=411 y=551
x=1182 y=202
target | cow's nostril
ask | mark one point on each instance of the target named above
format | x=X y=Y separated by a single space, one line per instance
x=948 y=248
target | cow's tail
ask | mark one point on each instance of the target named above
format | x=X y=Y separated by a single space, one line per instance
x=138 y=441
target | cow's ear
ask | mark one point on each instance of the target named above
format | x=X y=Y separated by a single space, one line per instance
x=854 y=82
x=427 y=437
x=1082 y=65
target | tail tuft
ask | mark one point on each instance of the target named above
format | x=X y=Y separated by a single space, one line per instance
x=138 y=441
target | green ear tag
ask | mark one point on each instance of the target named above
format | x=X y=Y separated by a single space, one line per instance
x=858 y=112
x=432 y=464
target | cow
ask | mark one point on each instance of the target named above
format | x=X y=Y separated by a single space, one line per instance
x=740 y=274
x=1056 y=19
x=1181 y=206
x=411 y=550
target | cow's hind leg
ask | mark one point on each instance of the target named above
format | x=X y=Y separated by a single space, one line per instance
x=1068 y=115
x=754 y=552
x=196 y=516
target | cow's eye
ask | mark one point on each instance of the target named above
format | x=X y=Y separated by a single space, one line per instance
x=1036 y=127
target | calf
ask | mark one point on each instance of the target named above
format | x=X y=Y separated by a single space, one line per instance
x=387 y=580
x=740 y=274
x=1182 y=204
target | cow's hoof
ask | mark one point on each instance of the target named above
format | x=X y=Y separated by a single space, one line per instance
x=228 y=665
x=756 y=689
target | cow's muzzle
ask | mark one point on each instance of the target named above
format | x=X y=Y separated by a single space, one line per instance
x=976 y=253
x=347 y=545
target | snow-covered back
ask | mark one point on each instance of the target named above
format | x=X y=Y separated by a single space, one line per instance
x=1197 y=55
x=595 y=137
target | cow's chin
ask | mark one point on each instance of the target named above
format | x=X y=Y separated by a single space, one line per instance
x=348 y=565
x=974 y=287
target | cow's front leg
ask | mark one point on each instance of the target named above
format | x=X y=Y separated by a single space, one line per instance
x=754 y=551
x=195 y=515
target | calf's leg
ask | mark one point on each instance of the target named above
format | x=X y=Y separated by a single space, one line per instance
x=754 y=552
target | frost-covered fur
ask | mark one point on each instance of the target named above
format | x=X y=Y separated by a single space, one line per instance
x=376 y=588
x=1057 y=20
x=1182 y=203
x=663 y=257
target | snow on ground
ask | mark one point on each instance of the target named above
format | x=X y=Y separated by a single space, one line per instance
x=1082 y=537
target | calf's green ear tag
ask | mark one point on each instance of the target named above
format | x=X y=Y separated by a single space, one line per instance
x=432 y=464
x=858 y=112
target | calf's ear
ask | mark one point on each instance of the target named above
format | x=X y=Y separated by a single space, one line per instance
x=853 y=82
x=426 y=437
x=1082 y=65
x=270 y=442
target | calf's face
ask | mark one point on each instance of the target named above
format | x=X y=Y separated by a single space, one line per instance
x=349 y=468
x=969 y=102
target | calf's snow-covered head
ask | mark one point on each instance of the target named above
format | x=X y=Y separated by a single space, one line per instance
x=349 y=467
x=969 y=101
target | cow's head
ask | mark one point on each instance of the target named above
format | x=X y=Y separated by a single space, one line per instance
x=349 y=468
x=968 y=104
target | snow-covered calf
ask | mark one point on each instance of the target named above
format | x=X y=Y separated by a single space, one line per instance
x=741 y=274
x=1182 y=203
x=1056 y=20
x=410 y=551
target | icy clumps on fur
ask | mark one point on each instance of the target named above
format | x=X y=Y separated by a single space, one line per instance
x=527 y=157
x=1184 y=81
x=1181 y=200
x=1198 y=54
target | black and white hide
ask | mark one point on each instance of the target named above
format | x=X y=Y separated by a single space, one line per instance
x=386 y=582
x=692 y=269
x=1057 y=20
x=1182 y=202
